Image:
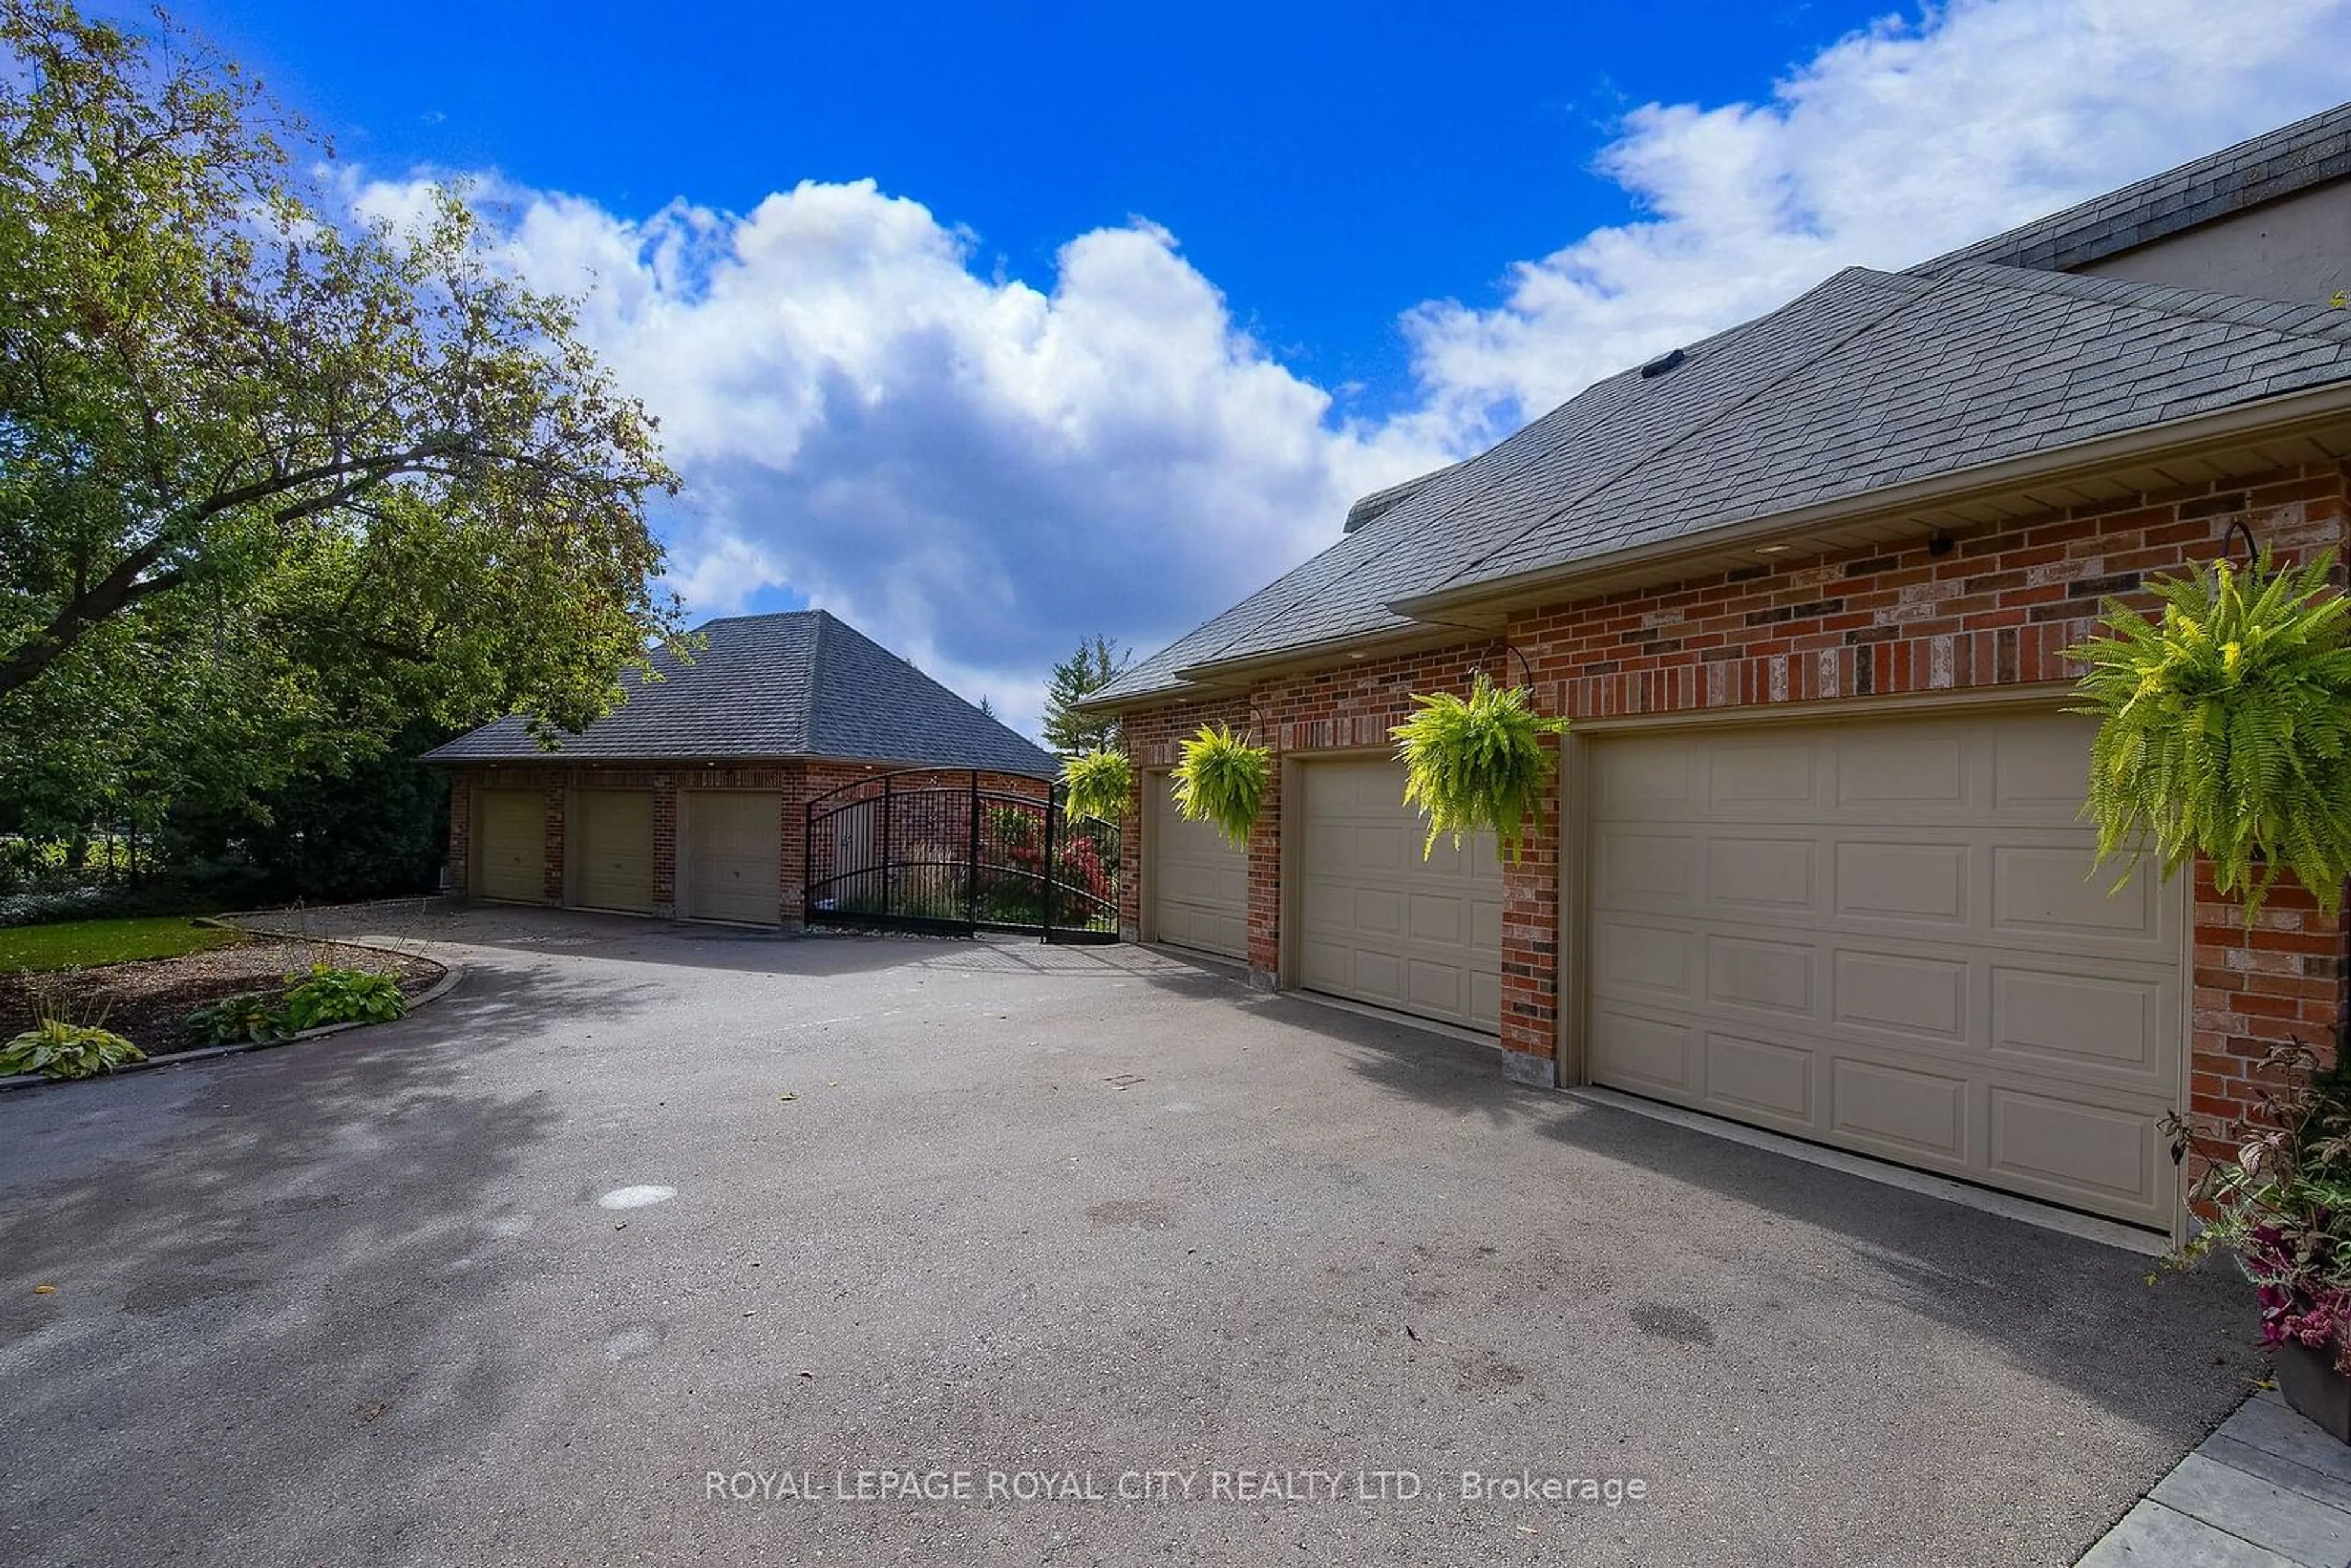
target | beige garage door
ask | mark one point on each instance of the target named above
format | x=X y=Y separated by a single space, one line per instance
x=1879 y=933
x=1380 y=925
x=513 y=834
x=1198 y=881
x=613 y=838
x=733 y=842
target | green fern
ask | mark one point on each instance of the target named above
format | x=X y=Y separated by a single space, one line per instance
x=1476 y=763
x=1222 y=780
x=2227 y=729
x=1097 y=785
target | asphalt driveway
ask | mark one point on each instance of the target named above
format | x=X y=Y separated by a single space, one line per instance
x=1018 y=1220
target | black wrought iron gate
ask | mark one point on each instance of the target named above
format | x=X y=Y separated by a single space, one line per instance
x=959 y=851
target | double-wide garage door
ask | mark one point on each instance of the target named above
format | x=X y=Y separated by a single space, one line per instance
x=1883 y=935
x=1199 y=882
x=1381 y=924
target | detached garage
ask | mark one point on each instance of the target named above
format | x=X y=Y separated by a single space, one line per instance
x=689 y=800
x=1885 y=935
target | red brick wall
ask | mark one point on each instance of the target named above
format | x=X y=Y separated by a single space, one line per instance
x=1998 y=608
x=459 y=880
x=552 y=883
x=664 y=843
x=814 y=778
x=795 y=782
x=2253 y=990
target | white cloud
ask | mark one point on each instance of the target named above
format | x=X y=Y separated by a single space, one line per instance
x=1893 y=145
x=974 y=471
x=978 y=470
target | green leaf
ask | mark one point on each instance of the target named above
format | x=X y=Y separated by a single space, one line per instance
x=1479 y=763
x=2225 y=729
x=1098 y=784
x=1222 y=780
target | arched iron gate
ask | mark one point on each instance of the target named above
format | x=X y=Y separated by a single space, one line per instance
x=959 y=851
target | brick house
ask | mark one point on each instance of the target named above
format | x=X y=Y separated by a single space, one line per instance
x=1805 y=588
x=690 y=800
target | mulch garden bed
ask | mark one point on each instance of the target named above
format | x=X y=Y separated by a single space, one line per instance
x=148 y=1002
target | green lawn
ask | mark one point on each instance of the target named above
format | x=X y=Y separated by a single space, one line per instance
x=82 y=942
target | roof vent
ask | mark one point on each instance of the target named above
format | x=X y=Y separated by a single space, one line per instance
x=1661 y=364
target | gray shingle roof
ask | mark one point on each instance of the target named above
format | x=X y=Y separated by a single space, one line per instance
x=1869 y=380
x=1377 y=505
x=805 y=684
x=2276 y=164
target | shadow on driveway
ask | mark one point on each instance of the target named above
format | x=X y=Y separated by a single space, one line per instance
x=163 y=1199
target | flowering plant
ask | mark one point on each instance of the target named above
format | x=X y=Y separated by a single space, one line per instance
x=2280 y=1199
x=1081 y=868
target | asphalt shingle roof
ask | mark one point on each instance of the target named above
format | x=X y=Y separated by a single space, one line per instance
x=1869 y=380
x=805 y=684
x=2273 y=165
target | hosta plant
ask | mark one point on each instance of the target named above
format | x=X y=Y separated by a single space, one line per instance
x=2226 y=728
x=342 y=996
x=1476 y=763
x=237 y=1020
x=59 y=1048
x=2278 y=1198
x=1222 y=781
x=1096 y=785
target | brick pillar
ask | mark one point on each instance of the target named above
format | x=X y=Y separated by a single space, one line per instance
x=665 y=846
x=552 y=883
x=460 y=866
x=1529 y=1023
x=1265 y=885
x=1130 y=855
x=791 y=839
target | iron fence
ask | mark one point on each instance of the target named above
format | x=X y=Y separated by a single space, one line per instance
x=959 y=850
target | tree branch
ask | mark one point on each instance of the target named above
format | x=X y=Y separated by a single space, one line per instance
x=115 y=592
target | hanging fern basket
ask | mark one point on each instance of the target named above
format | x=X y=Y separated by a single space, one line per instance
x=2225 y=729
x=1222 y=781
x=1478 y=763
x=1096 y=785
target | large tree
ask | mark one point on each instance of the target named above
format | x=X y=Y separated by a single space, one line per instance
x=1096 y=663
x=276 y=483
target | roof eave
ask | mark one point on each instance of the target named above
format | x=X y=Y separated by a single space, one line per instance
x=1231 y=678
x=2270 y=419
x=1158 y=696
x=1479 y=606
x=716 y=759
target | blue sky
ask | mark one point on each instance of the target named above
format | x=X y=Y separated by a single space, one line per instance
x=1328 y=166
x=992 y=327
